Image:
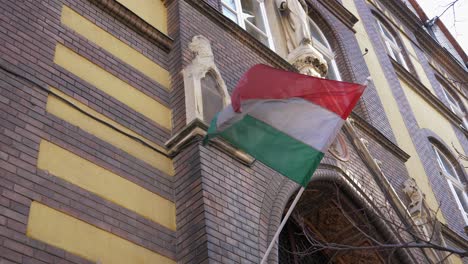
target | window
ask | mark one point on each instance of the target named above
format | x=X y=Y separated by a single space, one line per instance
x=251 y=16
x=454 y=106
x=454 y=180
x=391 y=44
x=321 y=44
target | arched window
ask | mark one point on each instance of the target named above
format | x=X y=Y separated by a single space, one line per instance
x=251 y=16
x=454 y=178
x=212 y=96
x=391 y=44
x=321 y=44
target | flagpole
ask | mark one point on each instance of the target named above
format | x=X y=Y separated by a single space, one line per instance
x=285 y=219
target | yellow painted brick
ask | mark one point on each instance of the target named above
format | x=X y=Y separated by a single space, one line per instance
x=115 y=46
x=152 y=11
x=112 y=85
x=110 y=186
x=73 y=235
x=64 y=111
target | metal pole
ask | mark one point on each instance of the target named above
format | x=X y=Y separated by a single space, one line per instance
x=285 y=219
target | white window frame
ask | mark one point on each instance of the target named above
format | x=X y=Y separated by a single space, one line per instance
x=241 y=21
x=454 y=183
x=393 y=50
x=325 y=50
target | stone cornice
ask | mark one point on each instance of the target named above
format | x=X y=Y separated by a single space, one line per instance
x=135 y=22
x=379 y=137
x=343 y=14
x=427 y=95
x=241 y=34
x=198 y=128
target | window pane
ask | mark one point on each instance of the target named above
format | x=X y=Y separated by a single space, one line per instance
x=390 y=51
x=230 y=14
x=387 y=33
x=451 y=99
x=332 y=70
x=230 y=3
x=399 y=57
x=256 y=33
x=316 y=35
x=251 y=12
x=461 y=198
x=447 y=166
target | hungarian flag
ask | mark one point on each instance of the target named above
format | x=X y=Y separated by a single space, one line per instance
x=285 y=120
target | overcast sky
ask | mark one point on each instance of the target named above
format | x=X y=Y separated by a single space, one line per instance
x=459 y=28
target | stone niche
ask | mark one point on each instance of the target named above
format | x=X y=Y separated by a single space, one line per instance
x=205 y=90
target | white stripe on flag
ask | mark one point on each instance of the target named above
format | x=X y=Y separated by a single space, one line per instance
x=296 y=117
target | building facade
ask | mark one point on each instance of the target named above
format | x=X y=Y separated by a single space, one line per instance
x=104 y=104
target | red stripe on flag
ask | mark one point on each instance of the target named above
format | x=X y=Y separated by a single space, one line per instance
x=264 y=82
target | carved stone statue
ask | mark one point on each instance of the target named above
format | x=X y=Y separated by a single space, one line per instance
x=295 y=22
x=415 y=195
x=201 y=48
x=301 y=54
x=202 y=71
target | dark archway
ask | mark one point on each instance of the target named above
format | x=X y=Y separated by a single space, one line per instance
x=332 y=211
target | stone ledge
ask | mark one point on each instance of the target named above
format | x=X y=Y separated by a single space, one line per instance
x=345 y=16
x=446 y=231
x=198 y=128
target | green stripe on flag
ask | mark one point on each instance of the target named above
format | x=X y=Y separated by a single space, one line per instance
x=287 y=155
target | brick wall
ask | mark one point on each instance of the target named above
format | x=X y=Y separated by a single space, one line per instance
x=419 y=137
x=226 y=211
x=29 y=33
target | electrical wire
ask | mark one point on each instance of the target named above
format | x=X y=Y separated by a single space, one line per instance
x=172 y=155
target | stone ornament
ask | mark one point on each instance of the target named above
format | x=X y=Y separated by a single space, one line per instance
x=365 y=142
x=424 y=219
x=202 y=64
x=295 y=23
x=301 y=54
x=308 y=60
x=379 y=164
x=415 y=195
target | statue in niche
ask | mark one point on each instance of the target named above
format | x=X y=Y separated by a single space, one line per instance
x=205 y=90
x=295 y=22
x=301 y=54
